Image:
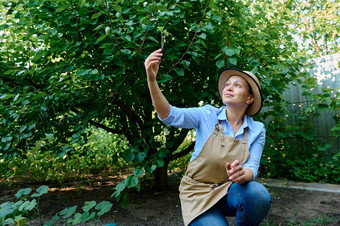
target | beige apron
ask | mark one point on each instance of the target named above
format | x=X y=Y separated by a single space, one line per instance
x=206 y=181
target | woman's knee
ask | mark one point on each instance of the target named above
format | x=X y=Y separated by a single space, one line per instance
x=254 y=193
x=256 y=202
x=213 y=217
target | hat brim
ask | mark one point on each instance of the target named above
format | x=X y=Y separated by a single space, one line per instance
x=256 y=106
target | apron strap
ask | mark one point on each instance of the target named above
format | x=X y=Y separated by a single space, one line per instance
x=245 y=134
x=219 y=128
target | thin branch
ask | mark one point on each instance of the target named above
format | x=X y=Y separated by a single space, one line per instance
x=108 y=129
x=116 y=40
x=98 y=125
x=191 y=42
x=131 y=114
x=183 y=153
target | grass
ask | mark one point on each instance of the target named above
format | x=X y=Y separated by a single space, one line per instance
x=314 y=221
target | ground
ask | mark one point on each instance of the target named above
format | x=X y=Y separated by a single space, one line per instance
x=149 y=207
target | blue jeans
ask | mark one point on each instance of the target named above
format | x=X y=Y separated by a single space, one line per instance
x=249 y=202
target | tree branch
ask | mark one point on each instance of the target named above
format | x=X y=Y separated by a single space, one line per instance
x=131 y=114
x=98 y=125
x=191 y=42
x=183 y=153
x=108 y=129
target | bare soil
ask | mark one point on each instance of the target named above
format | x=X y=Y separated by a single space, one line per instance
x=149 y=207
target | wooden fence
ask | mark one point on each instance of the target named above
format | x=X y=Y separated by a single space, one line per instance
x=327 y=72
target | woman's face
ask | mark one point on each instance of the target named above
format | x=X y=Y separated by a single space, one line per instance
x=236 y=92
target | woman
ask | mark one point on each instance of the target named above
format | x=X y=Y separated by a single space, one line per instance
x=219 y=178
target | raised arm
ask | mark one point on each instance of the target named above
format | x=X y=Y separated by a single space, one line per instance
x=151 y=64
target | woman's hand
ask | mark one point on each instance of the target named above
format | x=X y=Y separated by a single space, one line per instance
x=152 y=64
x=237 y=173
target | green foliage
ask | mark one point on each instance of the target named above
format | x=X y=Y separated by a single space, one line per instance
x=66 y=66
x=72 y=217
x=19 y=212
x=315 y=221
x=101 y=154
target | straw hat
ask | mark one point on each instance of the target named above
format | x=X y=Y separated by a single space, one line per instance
x=254 y=83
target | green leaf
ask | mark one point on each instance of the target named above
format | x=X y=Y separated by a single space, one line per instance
x=126 y=51
x=117 y=8
x=138 y=187
x=260 y=48
x=77 y=218
x=138 y=171
x=185 y=63
x=203 y=36
x=107 y=30
x=82 y=72
x=160 y=162
x=120 y=187
x=6 y=209
x=8 y=221
x=28 y=205
x=123 y=201
x=227 y=51
x=86 y=216
x=67 y=212
x=179 y=72
x=103 y=207
x=20 y=220
x=40 y=191
x=131 y=181
x=153 y=167
x=22 y=128
x=101 y=38
x=99 y=27
x=95 y=16
x=153 y=39
x=232 y=60
x=163 y=153
x=220 y=64
x=52 y=222
x=165 y=78
x=89 y=205
x=6 y=96
x=140 y=156
x=82 y=2
x=129 y=154
x=22 y=192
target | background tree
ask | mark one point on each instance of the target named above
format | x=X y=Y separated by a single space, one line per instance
x=70 y=65
x=317 y=26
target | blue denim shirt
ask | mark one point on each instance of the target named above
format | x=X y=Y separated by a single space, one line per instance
x=203 y=120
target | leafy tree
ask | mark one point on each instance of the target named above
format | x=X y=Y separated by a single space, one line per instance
x=67 y=65
x=317 y=26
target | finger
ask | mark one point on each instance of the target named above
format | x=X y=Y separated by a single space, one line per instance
x=228 y=167
x=152 y=62
x=235 y=163
x=239 y=180
x=237 y=175
x=238 y=168
x=235 y=169
x=153 y=57
x=158 y=50
x=155 y=53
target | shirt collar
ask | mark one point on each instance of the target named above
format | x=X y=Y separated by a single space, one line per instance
x=247 y=121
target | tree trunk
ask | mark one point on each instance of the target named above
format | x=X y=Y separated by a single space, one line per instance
x=161 y=177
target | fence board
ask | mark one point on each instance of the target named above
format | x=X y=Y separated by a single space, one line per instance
x=327 y=72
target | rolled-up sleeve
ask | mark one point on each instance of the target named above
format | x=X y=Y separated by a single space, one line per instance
x=256 y=150
x=187 y=118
